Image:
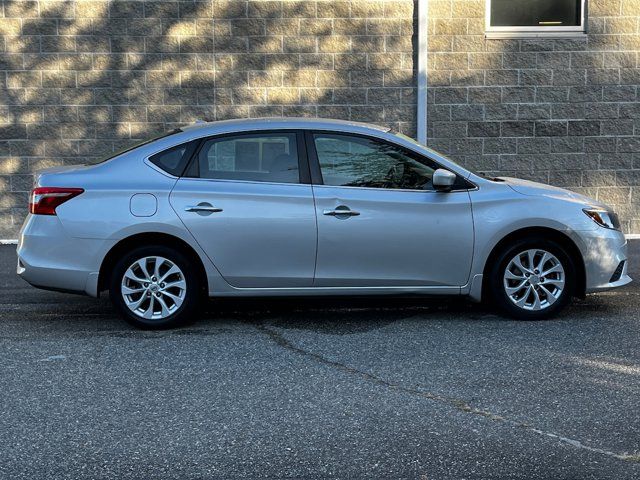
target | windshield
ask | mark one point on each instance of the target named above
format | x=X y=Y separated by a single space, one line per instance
x=135 y=145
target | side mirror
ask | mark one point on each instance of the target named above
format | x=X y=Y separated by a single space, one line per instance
x=443 y=180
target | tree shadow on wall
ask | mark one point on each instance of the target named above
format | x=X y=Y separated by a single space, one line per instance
x=86 y=79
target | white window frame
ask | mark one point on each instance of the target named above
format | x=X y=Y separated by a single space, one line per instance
x=534 y=32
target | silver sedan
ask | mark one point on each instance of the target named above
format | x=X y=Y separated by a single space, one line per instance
x=309 y=207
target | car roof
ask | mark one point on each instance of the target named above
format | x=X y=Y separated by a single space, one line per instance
x=282 y=123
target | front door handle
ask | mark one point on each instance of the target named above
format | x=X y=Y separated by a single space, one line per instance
x=341 y=211
x=202 y=208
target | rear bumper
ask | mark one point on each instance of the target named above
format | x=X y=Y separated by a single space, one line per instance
x=603 y=251
x=48 y=258
x=67 y=281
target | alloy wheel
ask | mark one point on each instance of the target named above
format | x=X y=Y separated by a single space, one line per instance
x=534 y=279
x=153 y=288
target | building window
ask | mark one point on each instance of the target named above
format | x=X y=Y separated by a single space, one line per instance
x=535 y=17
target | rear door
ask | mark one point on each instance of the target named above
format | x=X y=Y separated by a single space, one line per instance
x=380 y=222
x=247 y=200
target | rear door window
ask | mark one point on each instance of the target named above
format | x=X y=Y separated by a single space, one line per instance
x=260 y=157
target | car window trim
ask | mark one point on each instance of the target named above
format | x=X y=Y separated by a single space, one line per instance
x=316 y=172
x=192 y=171
x=312 y=155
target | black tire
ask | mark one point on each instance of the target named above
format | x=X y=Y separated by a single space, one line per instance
x=186 y=313
x=496 y=288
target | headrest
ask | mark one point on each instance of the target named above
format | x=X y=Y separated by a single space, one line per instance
x=281 y=163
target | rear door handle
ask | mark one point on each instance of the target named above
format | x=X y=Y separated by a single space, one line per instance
x=202 y=208
x=341 y=211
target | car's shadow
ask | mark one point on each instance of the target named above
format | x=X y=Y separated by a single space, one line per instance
x=341 y=315
x=338 y=315
x=329 y=315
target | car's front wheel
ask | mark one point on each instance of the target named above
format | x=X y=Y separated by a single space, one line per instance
x=532 y=279
x=154 y=287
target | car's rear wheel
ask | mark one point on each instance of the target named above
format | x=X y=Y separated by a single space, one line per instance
x=154 y=287
x=532 y=279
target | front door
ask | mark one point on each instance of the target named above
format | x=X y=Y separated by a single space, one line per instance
x=246 y=206
x=380 y=223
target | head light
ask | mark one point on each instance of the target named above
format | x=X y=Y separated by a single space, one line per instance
x=604 y=218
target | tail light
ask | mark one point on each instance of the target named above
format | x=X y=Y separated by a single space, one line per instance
x=45 y=200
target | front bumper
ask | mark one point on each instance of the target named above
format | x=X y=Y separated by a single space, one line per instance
x=49 y=258
x=603 y=251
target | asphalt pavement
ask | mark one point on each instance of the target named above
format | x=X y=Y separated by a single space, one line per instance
x=326 y=388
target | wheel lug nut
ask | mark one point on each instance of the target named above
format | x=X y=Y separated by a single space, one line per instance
x=157 y=294
x=146 y=284
x=153 y=279
x=162 y=285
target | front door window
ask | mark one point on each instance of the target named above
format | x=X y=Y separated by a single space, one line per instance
x=350 y=161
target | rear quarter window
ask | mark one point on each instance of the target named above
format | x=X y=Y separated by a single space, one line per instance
x=174 y=160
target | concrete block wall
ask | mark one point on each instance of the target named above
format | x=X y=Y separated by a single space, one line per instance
x=82 y=78
x=559 y=111
x=79 y=79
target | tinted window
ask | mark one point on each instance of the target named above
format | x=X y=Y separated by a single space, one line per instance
x=535 y=13
x=257 y=158
x=174 y=159
x=362 y=162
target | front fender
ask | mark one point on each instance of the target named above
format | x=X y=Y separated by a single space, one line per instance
x=500 y=212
